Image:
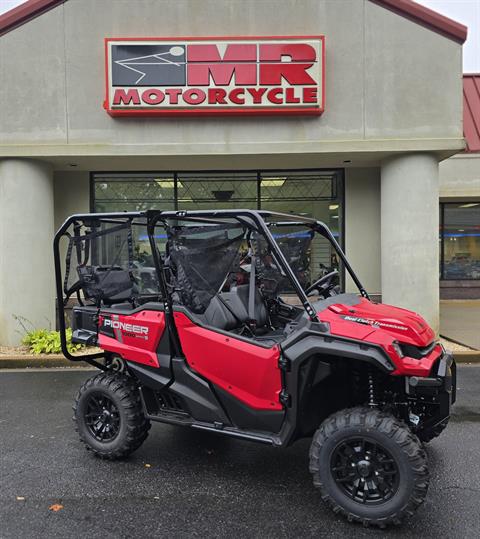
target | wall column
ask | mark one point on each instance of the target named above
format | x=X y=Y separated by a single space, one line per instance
x=26 y=254
x=409 y=234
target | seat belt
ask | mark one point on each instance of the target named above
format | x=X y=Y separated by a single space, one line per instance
x=251 y=292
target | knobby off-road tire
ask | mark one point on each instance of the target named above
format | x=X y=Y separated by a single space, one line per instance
x=389 y=448
x=108 y=416
x=428 y=435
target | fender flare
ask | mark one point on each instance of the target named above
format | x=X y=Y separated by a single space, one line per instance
x=308 y=343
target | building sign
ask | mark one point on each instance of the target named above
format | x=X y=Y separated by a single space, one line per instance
x=280 y=75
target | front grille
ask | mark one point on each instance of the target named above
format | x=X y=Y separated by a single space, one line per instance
x=417 y=352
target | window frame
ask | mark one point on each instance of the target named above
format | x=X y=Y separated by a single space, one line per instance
x=338 y=186
x=338 y=189
x=443 y=206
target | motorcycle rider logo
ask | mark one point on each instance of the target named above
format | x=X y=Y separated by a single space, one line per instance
x=148 y=65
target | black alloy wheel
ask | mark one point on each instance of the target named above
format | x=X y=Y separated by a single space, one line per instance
x=102 y=417
x=109 y=417
x=369 y=466
x=364 y=470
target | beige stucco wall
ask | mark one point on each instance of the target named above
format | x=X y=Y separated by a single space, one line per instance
x=362 y=227
x=460 y=177
x=71 y=193
x=409 y=234
x=26 y=261
x=387 y=79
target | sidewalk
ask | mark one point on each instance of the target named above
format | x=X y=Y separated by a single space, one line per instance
x=460 y=321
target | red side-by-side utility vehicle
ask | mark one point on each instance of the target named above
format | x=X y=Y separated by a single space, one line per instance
x=234 y=322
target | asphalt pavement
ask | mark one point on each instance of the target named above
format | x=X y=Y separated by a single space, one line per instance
x=184 y=483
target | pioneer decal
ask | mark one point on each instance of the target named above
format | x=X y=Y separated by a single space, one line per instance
x=280 y=75
x=130 y=328
x=376 y=323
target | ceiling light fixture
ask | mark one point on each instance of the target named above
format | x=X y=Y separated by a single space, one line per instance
x=273 y=182
x=471 y=205
x=333 y=207
x=168 y=184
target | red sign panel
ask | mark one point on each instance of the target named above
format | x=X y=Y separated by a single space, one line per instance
x=247 y=75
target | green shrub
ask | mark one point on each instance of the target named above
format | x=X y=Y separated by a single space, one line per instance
x=44 y=341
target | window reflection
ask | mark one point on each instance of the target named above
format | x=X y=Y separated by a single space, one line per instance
x=460 y=240
x=312 y=193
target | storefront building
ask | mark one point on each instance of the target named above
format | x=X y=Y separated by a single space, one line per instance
x=460 y=206
x=340 y=110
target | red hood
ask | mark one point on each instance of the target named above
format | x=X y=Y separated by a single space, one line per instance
x=367 y=320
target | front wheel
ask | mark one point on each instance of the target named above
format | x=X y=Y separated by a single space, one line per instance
x=369 y=466
x=108 y=415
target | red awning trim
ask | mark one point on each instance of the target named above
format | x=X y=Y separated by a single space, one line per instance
x=471 y=112
x=24 y=13
x=426 y=17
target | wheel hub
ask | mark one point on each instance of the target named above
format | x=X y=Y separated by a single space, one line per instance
x=364 y=471
x=364 y=468
x=102 y=417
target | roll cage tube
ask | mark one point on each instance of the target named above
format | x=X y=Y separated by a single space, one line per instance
x=323 y=230
x=88 y=358
x=152 y=219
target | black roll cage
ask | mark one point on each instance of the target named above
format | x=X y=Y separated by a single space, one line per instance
x=253 y=219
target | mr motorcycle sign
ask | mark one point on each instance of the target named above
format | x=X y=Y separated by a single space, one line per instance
x=162 y=76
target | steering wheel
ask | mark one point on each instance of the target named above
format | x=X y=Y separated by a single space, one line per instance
x=324 y=285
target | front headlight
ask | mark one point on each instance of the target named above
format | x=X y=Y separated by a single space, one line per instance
x=398 y=349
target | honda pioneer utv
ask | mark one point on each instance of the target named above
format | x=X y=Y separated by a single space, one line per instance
x=234 y=322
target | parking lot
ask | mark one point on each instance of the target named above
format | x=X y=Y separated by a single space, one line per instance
x=184 y=483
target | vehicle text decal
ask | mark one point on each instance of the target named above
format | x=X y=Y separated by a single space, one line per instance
x=375 y=323
x=131 y=328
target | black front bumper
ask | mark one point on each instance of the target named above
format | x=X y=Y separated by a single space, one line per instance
x=436 y=392
x=447 y=371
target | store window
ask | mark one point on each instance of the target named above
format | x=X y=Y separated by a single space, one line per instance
x=460 y=241
x=312 y=193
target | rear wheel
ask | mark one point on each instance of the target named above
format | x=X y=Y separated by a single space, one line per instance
x=108 y=416
x=369 y=466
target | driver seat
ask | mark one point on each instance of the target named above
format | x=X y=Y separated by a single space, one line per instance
x=260 y=309
x=229 y=311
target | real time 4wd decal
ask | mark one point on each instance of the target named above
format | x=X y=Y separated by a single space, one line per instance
x=280 y=75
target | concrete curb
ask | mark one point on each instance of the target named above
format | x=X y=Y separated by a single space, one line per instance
x=57 y=360
x=40 y=361
x=472 y=356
